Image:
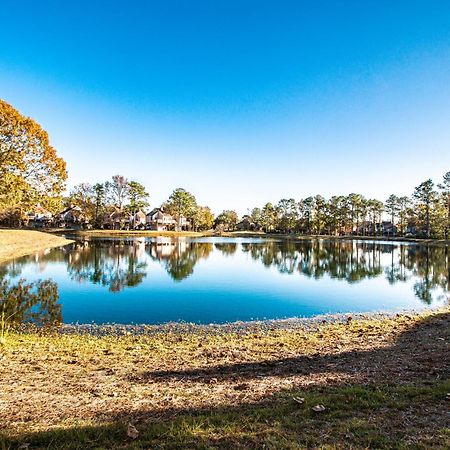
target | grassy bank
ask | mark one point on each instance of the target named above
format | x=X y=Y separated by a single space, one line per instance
x=384 y=383
x=16 y=243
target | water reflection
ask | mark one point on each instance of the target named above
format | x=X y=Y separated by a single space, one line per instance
x=114 y=264
x=178 y=256
x=355 y=261
x=118 y=264
x=35 y=302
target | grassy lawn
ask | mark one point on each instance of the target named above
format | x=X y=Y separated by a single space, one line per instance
x=384 y=383
x=16 y=243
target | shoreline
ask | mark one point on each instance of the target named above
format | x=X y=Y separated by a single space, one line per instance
x=238 y=327
x=242 y=234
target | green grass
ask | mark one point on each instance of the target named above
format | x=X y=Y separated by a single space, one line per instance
x=356 y=417
x=384 y=383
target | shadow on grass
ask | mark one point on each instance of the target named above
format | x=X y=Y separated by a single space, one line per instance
x=416 y=354
x=400 y=404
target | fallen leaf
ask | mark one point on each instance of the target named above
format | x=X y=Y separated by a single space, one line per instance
x=299 y=400
x=23 y=446
x=318 y=408
x=132 y=432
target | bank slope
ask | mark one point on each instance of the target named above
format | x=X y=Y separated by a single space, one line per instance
x=16 y=243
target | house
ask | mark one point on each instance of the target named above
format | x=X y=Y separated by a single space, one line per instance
x=246 y=224
x=72 y=217
x=157 y=219
x=38 y=217
x=389 y=229
x=117 y=220
x=139 y=220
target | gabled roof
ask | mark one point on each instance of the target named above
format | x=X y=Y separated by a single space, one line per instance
x=71 y=208
x=153 y=211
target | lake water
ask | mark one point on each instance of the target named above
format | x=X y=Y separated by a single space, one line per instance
x=217 y=280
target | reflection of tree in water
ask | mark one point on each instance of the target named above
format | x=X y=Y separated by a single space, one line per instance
x=118 y=263
x=179 y=256
x=226 y=249
x=114 y=264
x=30 y=302
x=431 y=265
x=354 y=261
x=342 y=260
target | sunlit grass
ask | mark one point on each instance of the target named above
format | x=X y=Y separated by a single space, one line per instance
x=16 y=243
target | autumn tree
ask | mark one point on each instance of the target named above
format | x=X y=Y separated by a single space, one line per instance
x=30 y=169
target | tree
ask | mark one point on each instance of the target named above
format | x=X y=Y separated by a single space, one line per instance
x=203 y=218
x=424 y=194
x=355 y=202
x=268 y=217
x=181 y=203
x=318 y=214
x=118 y=190
x=287 y=215
x=82 y=195
x=138 y=198
x=403 y=205
x=445 y=190
x=392 y=207
x=99 y=200
x=227 y=219
x=375 y=209
x=30 y=169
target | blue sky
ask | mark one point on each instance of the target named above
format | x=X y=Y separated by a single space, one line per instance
x=240 y=102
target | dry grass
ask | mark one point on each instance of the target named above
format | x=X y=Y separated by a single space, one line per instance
x=16 y=243
x=383 y=383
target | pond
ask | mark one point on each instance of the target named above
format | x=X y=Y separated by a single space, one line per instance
x=218 y=280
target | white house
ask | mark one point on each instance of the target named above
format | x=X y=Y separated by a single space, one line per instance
x=159 y=220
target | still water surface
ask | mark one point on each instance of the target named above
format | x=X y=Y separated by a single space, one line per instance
x=217 y=280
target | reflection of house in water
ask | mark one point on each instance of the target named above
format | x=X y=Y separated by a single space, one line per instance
x=139 y=247
x=163 y=248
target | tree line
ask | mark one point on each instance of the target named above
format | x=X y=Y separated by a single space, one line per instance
x=426 y=213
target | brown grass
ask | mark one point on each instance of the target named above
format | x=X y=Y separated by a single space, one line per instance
x=383 y=383
x=16 y=243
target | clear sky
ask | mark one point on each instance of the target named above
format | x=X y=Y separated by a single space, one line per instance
x=238 y=101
